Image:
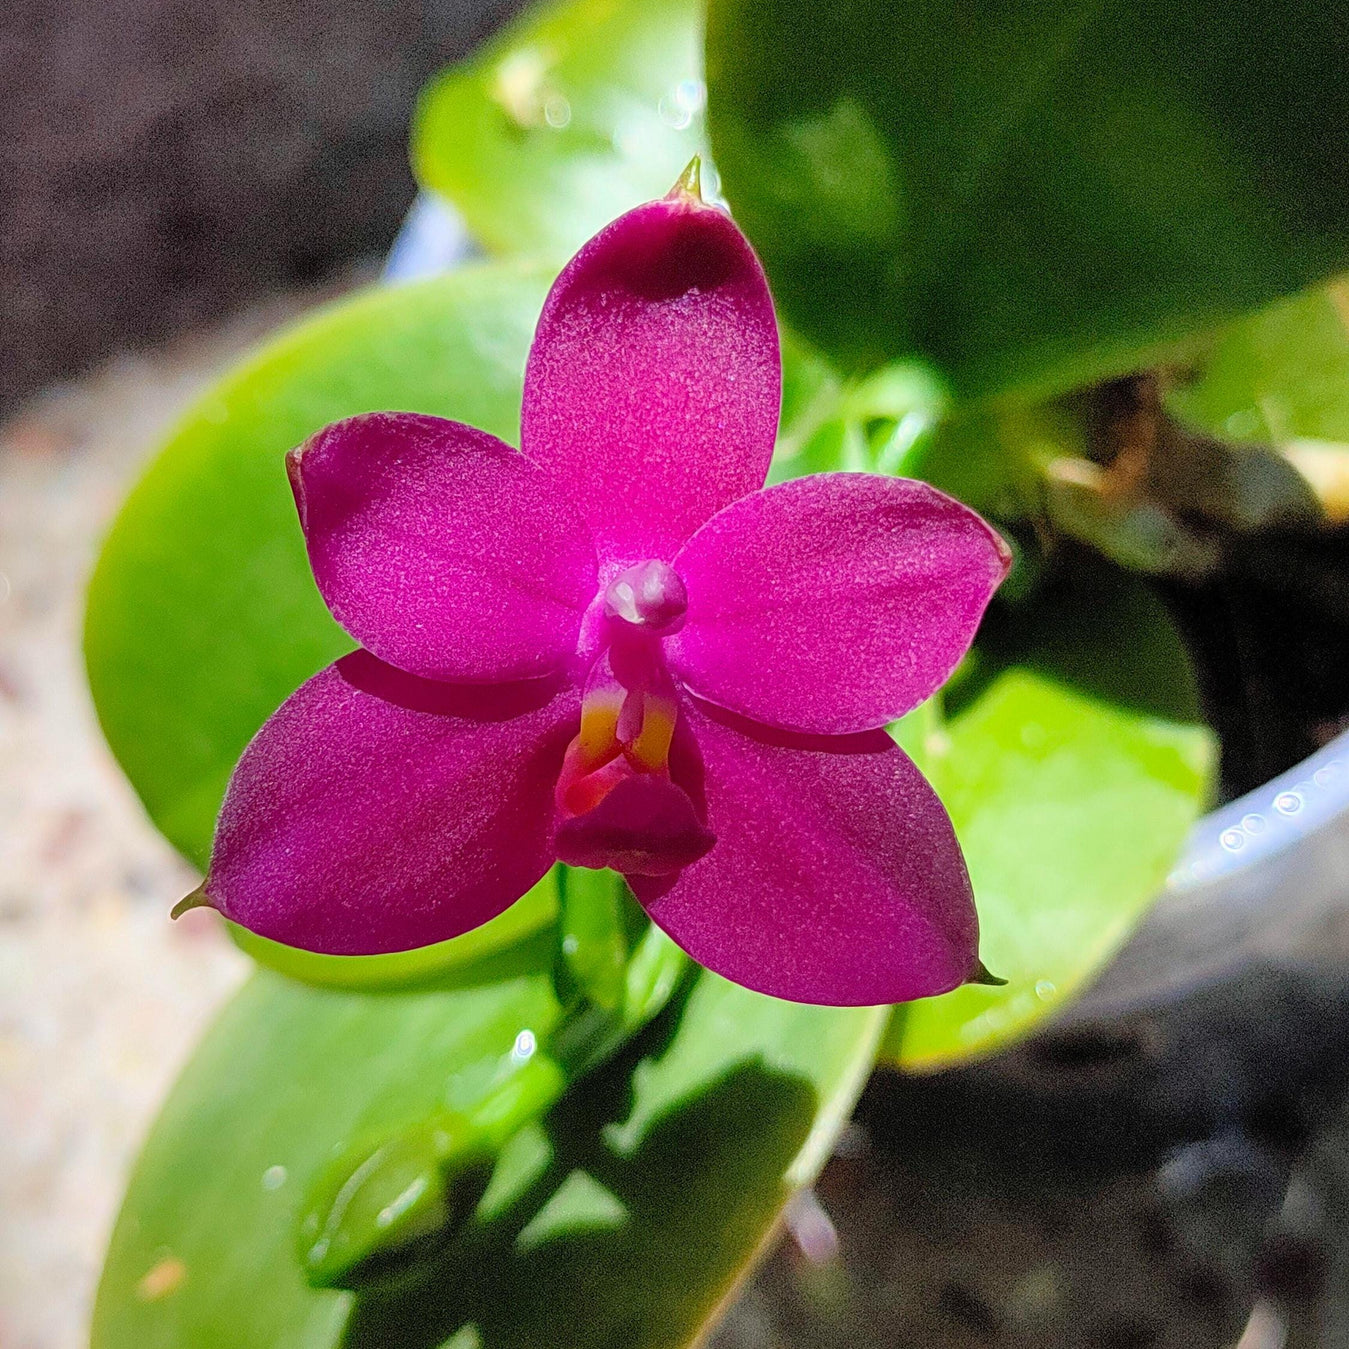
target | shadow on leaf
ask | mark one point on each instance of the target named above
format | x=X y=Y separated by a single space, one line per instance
x=613 y=1252
x=1095 y=629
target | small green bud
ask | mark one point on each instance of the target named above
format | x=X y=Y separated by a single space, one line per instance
x=381 y=1205
x=386 y=1203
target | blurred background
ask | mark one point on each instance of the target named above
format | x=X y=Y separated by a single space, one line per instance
x=166 y=162
x=179 y=178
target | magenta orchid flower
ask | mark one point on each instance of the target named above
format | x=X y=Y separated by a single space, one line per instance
x=615 y=647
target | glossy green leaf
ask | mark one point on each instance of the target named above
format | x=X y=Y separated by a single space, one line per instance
x=1273 y=377
x=376 y=1207
x=626 y=1222
x=288 y=1077
x=1073 y=765
x=574 y=114
x=202 y=614
x=1272 y=390
x=1030 y=195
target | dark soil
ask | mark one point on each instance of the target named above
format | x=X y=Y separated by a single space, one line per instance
x=1270 y=639
x=166 y=161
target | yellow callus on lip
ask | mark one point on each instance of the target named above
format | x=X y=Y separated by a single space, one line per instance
x=598 y=737
x=651 y=747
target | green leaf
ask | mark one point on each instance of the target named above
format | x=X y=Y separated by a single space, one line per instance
x=1273 y=390
x=574 y=114
x=626 y=1221
x=593 y=934
x=1030 y=195
x=203 y=1254
x=1073 y=765
x=1273 y=377
x=202 y=614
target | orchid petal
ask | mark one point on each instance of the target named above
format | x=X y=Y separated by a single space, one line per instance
x=376 y=811
x=834 y=603
x=835 y=879
x=653 y=384
x=441 y=549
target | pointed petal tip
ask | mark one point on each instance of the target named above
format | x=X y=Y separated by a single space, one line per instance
x=983 y=975
x=653 y=383
x=295 y=476
x=1005 y=551
x=198 y=899
x=689 y=185
x=835 y=879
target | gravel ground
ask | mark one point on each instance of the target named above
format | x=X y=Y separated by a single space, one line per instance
x=101 y=997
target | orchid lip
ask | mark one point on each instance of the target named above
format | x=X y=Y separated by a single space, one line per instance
x=645 y=825
x=618 y=805
x=650 y=596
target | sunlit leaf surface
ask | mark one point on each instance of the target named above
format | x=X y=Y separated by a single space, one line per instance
x=203 y=616
x=202 y=613
x=571 y=116
x=625 y=1221
x=1073 y=763
x=1277 y=376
